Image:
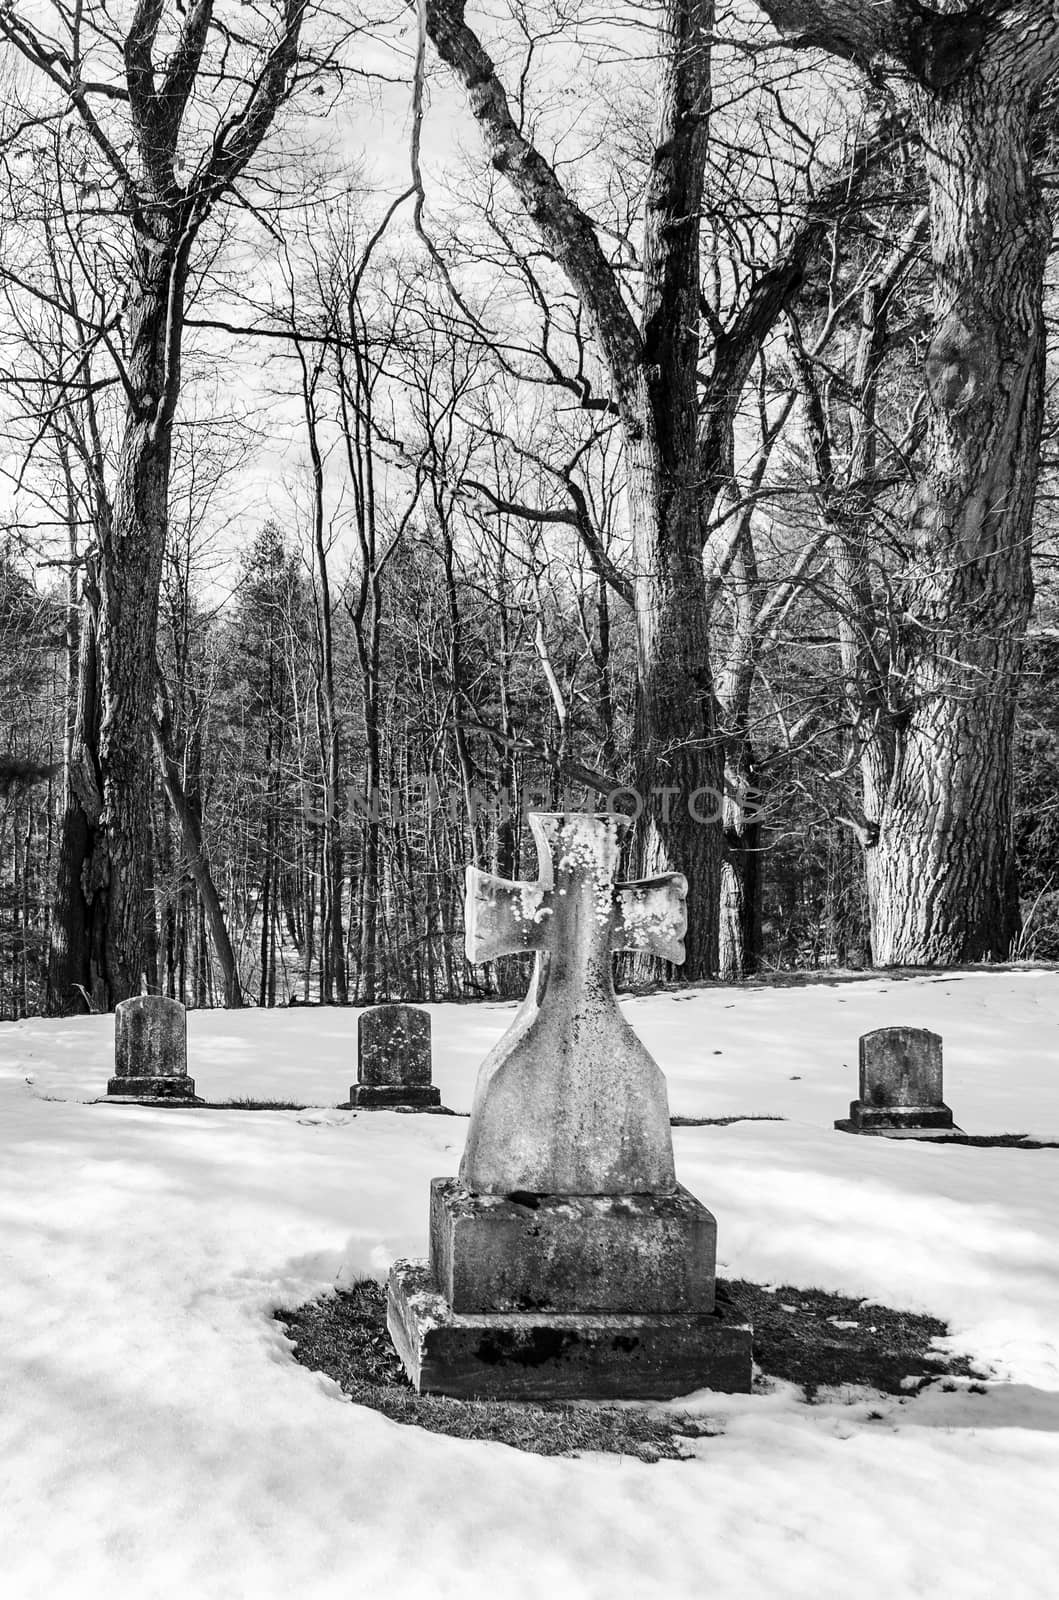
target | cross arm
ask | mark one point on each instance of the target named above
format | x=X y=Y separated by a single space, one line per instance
x=651 y=916
x=502 y=918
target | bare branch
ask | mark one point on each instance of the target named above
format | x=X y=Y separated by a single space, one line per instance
x=564 y=227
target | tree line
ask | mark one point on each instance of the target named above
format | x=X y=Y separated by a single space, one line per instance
x=691 y=455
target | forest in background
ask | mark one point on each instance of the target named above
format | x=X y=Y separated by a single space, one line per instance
x=695 y=439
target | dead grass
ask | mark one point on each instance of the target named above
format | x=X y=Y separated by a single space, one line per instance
x=825 y=1341
x=250 y=1103
x=345 y=1337
x=720 y=1122
x=985 y=1141
x=795 y=1337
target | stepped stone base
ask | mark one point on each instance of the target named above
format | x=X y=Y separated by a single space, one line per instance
x=890 y=1119
x=171 y=1088
x=562 y=1355
x=380 y=1096
x=635 y=1253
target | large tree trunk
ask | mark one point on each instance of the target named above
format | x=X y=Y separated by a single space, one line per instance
x=941 y=873
x=677 y=744
x=677 y=760
x=133 y=541
x=940 y=877
x=938 y=846
x=131 y=574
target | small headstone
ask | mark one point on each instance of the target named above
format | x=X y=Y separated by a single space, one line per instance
x=900 y=1084
x=566 y=1260
x=393 y=1067
x=150 y=1051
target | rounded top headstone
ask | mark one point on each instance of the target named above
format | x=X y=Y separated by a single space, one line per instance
x=393 y=1042
x=150 y=1037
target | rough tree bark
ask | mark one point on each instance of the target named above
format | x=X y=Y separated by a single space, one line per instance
x=75 y=942
x=938 y=778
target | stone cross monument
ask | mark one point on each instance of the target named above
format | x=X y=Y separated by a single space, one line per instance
x=570 y=1102
x=566 y=1259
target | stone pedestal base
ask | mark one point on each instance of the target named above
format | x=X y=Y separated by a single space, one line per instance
x=169 y=1089
x=893 y=1119
x=562 y=1355
x=382 y=1096
x=637 y=1253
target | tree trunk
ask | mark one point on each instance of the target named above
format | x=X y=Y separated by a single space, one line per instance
x=333 y=974
x=133 y=548
x=608 y=747
x=74 y=939
x=739 y=941
x=677 y=759
x=198 y=864
x=941 y=869
x=941 y=872
x=266 y=918
x=938 y=802
x=653 y=369
x=368 y=977
x=739 y=922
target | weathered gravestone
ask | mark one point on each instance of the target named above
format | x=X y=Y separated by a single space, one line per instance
x=566 y=1260
x=150 y=1051
x=900 y=1084
x=393 y=1065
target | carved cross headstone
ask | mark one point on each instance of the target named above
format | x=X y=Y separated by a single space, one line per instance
x=570 y=1101
x=150 y=1050
x=566 y=1260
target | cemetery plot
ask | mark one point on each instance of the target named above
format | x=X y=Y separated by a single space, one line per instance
x=155 y=1422
x=818 y=1340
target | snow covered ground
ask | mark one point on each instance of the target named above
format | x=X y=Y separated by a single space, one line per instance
x=156 y=1439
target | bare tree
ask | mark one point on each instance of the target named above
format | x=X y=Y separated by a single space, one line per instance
x=677 y=372
x=171 y=112
x=652 y=366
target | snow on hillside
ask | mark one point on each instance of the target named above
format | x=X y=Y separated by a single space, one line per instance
x=156 y=1439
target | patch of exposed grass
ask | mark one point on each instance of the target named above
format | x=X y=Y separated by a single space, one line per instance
x=720 y=1122
x=1003 y=1141
x=345 y=1337
x=251 y=1103
x=807 y=1336
x=823 y=1340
